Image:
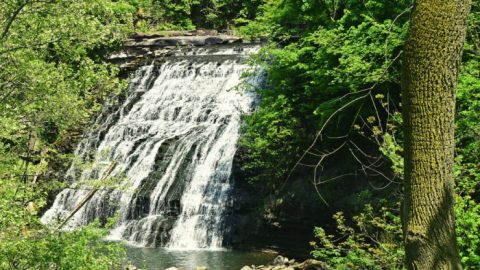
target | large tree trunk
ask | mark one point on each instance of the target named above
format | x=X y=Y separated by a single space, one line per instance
x=432 y=59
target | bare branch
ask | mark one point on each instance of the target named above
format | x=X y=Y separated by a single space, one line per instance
x=318 y=136
x=12 y=18
x=87 y=197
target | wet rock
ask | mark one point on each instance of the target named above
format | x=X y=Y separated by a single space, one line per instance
x=213 y=40
x=282 y=263
x=175 y=268
x=282 y=267
x=280 y=260
x=201 y=268
x=312 y=264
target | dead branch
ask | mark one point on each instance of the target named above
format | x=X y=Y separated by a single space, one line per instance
x=87 y=197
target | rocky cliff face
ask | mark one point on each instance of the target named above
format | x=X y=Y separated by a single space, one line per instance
x=282 y=223
x=144 y=47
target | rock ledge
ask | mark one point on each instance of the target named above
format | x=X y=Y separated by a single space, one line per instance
x=141 y=47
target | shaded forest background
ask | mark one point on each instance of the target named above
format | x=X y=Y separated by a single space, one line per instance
x=330 y=115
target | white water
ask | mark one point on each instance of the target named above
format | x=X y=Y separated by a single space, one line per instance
x=173 y=141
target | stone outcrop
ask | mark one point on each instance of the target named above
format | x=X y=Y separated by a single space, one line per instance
x=141 y=47
x=283 y=263
x=160 y=42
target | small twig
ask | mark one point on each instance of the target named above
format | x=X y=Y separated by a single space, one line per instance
x=376 y=112
x=334 y=178
x=390 y=30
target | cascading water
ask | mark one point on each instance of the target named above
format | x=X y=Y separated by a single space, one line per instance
x=173 y=140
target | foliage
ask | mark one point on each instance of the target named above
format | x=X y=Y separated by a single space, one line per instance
x=468 y=100
x=467 y=169
x=53 y=78
x=53 y=50
x=286 y=18
x=373 y=241
x=27 y=244
x=467 y=212
x=356 y=249
x=192 y=14
x=323 y=54
x=348 y=59
x=271 y=135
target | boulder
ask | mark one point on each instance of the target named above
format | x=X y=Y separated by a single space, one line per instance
x=214 y=40
x=312 y=264
x=282 y=267
x=283 y=263
x=280 y=260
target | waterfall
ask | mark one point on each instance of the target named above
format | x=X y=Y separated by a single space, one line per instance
x=172 y=142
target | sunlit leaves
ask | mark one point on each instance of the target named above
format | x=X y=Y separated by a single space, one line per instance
x=53 y=78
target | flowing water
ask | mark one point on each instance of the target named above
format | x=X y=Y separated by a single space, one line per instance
x=172 y=144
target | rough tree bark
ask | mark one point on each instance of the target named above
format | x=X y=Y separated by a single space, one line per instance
x=432 y=59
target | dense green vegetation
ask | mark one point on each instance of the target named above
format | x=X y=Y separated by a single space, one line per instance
x=346 y=60
x=52 y=79
x=334 y=75
x=154 y=15
x=335 y=78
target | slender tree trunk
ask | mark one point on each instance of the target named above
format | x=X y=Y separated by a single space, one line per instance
x=432 y=59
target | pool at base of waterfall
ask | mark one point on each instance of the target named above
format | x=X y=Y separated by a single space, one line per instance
x=161 y=259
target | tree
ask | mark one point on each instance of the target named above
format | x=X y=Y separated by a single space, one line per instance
x=432 y=59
